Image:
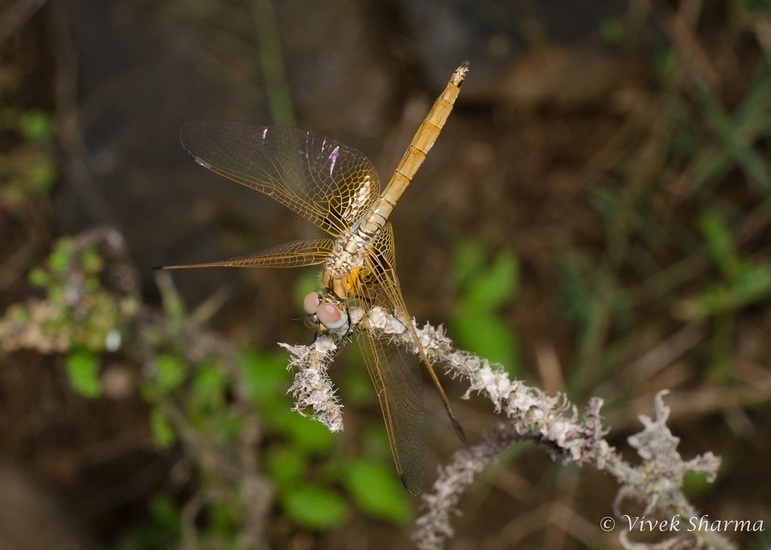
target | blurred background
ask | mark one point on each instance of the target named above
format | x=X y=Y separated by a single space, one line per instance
x=595 y=217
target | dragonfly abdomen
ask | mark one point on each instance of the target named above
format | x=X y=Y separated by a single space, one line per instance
x=424 y=138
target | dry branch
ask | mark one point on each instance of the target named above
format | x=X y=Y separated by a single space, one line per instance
x=532 y=415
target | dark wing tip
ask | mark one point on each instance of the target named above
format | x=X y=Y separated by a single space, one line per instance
x=459 y=430
x=414 y=491
x=157 y=267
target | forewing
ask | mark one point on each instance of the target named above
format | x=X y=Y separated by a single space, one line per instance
x=324 y=181
x=291 y=254
x=396 y=378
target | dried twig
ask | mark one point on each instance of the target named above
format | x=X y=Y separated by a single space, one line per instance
x=533 y=415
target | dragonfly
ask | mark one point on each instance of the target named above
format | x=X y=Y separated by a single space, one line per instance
x=336 y=188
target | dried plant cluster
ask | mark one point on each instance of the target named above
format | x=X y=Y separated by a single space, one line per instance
x=531 y=414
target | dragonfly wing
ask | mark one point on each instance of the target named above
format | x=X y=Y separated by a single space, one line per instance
x=396 y=378
x=291 y=254
x=387 y=293
x=326 y=182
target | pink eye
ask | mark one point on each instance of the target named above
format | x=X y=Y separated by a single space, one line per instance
x=311 y=303
x=331 y=316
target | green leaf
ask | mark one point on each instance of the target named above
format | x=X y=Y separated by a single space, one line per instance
x=468 y=259
x=720 y=244
x=209 y=383
x=83 y=371
x=62 y=255
x=355 y=383
x=164 y=512
x=161 y=530
x=374 y=441
x=315 y=508
x=227 y=423
x=752 y=285
x=576 y=293
x=308 y=434
x=286 y=466
x=223 y=522
x=695 y=484
x=37 y=127
x=41 y=175
x=267 y=380
x=170 y=372
x=612 y=31
x=495 y=286
x=91 y=261
x=265 y=376
x=378 y=491
x=173 y=305
x=39 y=277
x=484 y=286
x=488 y=336
x=163 y=432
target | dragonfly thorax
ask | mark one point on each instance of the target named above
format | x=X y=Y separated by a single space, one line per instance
x=345 y=268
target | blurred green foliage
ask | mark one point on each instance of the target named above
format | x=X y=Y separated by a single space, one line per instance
x=672 y=235
x=162 y=529
x=486 y=284
x=301 y=442
x=191 y=400
x=683 y=205
x=30 y=167
x=76 y=315
x=314 y=507
x=372 y=484
x=83 y=370
x=613 y=32
x=743 y=282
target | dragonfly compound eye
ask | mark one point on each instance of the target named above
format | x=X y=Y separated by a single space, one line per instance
x=331 y=316
x=311 y=303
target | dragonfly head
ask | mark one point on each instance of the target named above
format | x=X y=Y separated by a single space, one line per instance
x=323 y=312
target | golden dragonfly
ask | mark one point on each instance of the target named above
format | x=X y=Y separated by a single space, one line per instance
x=336 y=188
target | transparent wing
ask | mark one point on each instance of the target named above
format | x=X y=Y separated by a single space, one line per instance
x=386 y=292
x=396 y=378
x=395 y=372
x=291 y=254
x=326 y=182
